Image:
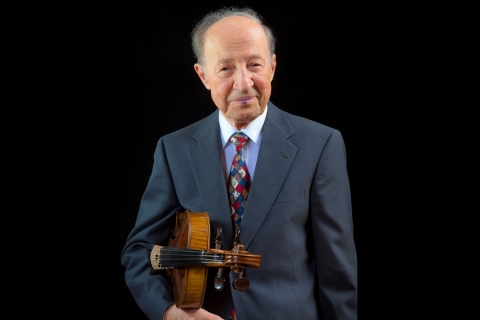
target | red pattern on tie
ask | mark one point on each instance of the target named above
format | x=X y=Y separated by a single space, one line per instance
x=239 y=180
x=233 y=314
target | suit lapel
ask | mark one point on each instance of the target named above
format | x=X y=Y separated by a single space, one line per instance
x=275 y=157
x=210 y=178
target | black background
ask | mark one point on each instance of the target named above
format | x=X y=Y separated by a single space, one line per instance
x=330 y=66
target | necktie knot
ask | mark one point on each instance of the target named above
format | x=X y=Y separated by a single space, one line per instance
x=238 y=139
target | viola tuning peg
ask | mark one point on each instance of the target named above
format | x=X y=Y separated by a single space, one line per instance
x=236 y=240
x=219 y=283
x=218 y=238
x=241 y=283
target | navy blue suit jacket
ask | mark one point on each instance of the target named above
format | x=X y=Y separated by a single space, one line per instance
x=298 y=217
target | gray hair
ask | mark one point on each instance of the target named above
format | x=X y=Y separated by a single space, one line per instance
x=208 y=20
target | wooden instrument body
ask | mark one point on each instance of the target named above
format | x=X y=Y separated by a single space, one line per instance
x=191 y=231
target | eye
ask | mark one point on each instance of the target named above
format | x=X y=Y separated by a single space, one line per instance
x=255 y=65
x=224 y=71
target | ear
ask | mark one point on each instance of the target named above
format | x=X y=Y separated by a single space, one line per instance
x=274 y=65
x=202 y=74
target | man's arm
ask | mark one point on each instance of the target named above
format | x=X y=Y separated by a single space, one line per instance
x=332 y=225
x=152 y=290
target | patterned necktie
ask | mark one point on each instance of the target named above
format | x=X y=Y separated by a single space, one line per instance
x=239 y=180
x=238 y=186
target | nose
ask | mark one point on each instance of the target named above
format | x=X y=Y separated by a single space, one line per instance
x=242 y=80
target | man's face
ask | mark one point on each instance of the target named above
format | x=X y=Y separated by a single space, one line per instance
x=237 y=69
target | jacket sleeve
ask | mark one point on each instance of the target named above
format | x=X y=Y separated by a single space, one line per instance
x=332 y=225
x=151 y=289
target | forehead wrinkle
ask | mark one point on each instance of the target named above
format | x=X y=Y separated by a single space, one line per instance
x=223 y=60
x=228 y=50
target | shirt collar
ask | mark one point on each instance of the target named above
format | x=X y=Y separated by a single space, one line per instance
x=252 y=130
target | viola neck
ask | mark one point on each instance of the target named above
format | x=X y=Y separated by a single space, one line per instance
x=171 y=257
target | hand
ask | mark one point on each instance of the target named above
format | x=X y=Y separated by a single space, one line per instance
x=174 y=313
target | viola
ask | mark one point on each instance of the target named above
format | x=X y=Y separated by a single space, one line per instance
x=187 y=258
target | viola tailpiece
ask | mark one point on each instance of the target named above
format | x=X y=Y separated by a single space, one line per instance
x=187 y=258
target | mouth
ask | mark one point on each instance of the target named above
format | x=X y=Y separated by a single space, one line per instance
x=244 y=100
